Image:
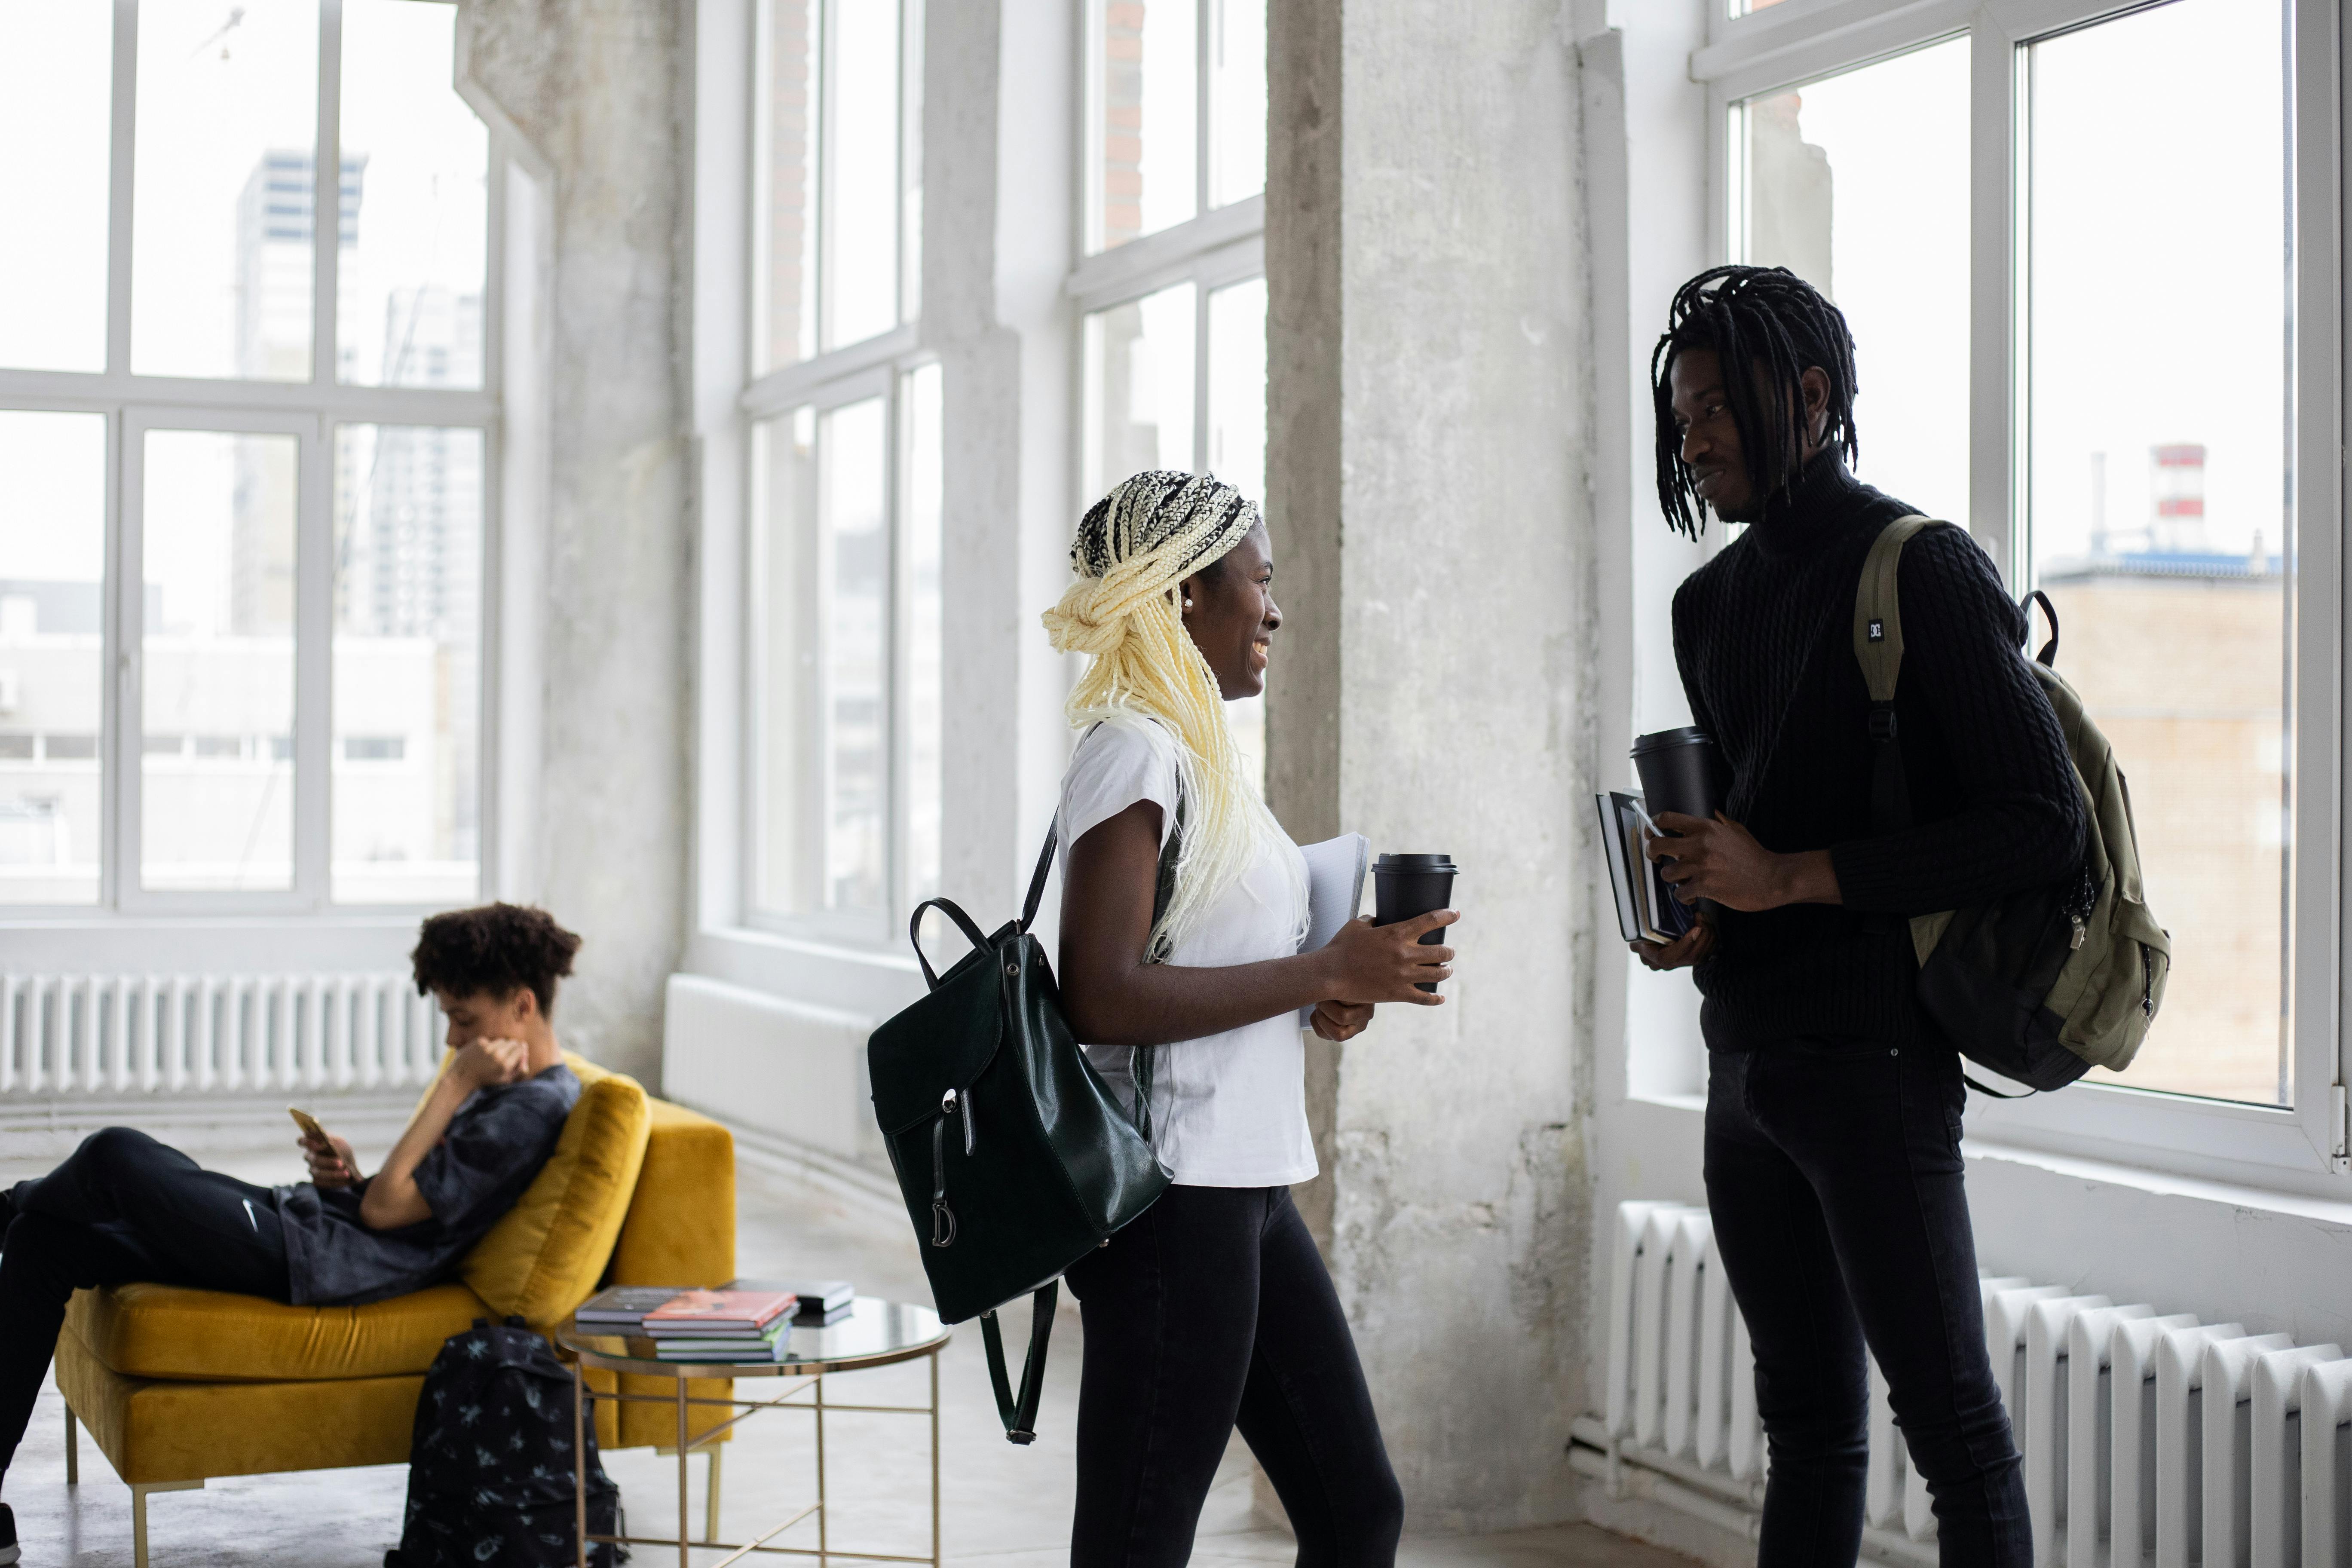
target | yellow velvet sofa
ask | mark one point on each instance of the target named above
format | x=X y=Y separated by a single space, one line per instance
x=178 y=1386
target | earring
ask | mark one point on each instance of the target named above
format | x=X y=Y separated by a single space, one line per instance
x=1187 y=603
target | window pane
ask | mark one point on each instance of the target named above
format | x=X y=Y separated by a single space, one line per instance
x=925 y=607
x=409 y=279
x=787 y=779
x=860 y=274
x=56 y=130
x=1880 y=223
x=2159 y=487
x=784 y=313
x=1148 y=88
x=52 y=655
x=1139 y=373
x=821 y=630
x=852 y=458
x=228 y=119
x=407 y=677
x=1236 y=99
x=218 y=661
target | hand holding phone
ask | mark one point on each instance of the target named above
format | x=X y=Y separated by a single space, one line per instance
x=330 y=1159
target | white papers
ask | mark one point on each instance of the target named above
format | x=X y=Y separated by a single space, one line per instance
x=1334 y=888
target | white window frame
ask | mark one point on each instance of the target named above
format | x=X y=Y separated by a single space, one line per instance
x=1216 y=248
x=885 y=379
x=879 y=365
x=133 y=403
x=2303 y=1148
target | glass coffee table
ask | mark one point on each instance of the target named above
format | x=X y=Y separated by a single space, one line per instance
x=876 y=1333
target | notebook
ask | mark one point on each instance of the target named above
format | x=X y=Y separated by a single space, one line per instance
x=1335 y=890
x=1647 y=910
x=717 y=1312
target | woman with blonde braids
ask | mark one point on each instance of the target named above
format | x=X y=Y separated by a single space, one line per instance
x=1183 y=907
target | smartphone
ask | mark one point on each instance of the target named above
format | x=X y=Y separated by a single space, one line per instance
x=308 y=1124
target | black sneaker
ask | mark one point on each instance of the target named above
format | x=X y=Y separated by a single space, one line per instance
x=7 y=1535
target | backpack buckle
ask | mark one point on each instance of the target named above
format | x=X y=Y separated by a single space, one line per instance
x=1881 y=722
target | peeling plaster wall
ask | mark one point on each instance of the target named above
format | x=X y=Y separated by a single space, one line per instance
x=1435 y=536
x=595 y=86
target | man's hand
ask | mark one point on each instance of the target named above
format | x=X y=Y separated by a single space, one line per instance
x=1680 y=953
x=487 y=1064
x=1723 y=861
x=331 y=1161
x=1337 y=1021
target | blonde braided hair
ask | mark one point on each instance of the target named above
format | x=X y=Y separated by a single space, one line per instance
x=1134 y=547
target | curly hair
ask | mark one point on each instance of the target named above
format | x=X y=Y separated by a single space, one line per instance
x=497 y=949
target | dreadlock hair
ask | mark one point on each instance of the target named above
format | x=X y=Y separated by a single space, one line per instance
x=1755 y=318
x=1134 y=548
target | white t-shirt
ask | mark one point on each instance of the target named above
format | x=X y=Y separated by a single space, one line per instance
x=1230 y=1109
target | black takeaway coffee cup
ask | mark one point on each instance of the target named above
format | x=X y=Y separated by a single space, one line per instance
x=1681 y=771
x=1404 y=886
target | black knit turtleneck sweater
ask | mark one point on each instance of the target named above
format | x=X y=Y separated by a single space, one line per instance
x=1764 y=638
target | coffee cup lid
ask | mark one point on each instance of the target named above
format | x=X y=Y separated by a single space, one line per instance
x=1688 y=735
x=1408 y=863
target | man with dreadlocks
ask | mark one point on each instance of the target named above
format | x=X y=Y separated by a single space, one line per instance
x=1211 y=1309
x=1833 y=1171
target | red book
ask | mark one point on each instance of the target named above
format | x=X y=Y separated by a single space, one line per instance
x=705 y=1312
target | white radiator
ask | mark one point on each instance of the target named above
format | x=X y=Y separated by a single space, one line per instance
x=2145 y=1436
x=65 y=1036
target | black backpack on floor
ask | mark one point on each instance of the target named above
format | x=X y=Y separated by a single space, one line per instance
x=490 y=1467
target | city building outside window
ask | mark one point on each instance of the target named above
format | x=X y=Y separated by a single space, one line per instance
x=843 y=418
x=242 y=550
x=2095 y=298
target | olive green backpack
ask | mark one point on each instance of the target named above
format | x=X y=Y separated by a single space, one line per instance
x=2042 y=985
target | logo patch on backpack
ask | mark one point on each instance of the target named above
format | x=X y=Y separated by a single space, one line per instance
x=1878 y=631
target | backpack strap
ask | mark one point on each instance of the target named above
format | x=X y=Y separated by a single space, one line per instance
x=1878 y=648
x=1018 y=1411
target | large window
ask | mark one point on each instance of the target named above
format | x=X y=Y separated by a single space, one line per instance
x=2095 y=299
x=242 y=547
x=843 y=608
x=1175 y=333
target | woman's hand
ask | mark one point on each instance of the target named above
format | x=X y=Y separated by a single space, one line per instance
x=1337 y=1021
x=331 y=1161
x=1683 y=952
x=1386 y=963
x=1723 y=861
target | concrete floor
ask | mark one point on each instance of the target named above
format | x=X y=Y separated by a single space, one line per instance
x=1004 y=1507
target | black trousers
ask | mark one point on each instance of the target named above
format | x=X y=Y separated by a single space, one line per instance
x=1214 y=1310
x=1833 y=1177
x=122 y=1208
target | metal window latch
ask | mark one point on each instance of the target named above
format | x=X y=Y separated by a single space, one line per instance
x=2339 y=1117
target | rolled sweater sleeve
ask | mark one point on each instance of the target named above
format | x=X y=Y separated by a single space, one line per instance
x=2021 y=821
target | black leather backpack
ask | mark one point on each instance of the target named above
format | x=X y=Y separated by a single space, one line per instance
x=1016 y=1158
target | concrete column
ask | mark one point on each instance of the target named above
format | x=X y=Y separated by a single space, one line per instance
x=1428 y=479
x=596 y=87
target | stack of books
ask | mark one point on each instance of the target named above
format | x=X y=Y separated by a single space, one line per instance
x=621 y=1309
x=1647 y=909
x=721 y=1325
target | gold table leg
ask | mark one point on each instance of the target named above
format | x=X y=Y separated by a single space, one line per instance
x=823 y=1517
x=935 y=1460
x=684 y=1559
x=710 y=1502
x=579 y=1465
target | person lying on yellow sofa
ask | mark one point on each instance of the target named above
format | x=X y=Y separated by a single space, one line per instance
x=123 y=1206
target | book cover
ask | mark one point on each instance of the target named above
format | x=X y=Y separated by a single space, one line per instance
x=1621 y=872
x=623 y=1303
x=705 y=1310
x=831 y=1300
x=1658 y=915
x=1335 y=891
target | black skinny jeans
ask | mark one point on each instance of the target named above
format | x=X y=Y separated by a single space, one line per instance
x=1833 y=1178
x=122 y=1208
x=1213 y=1311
